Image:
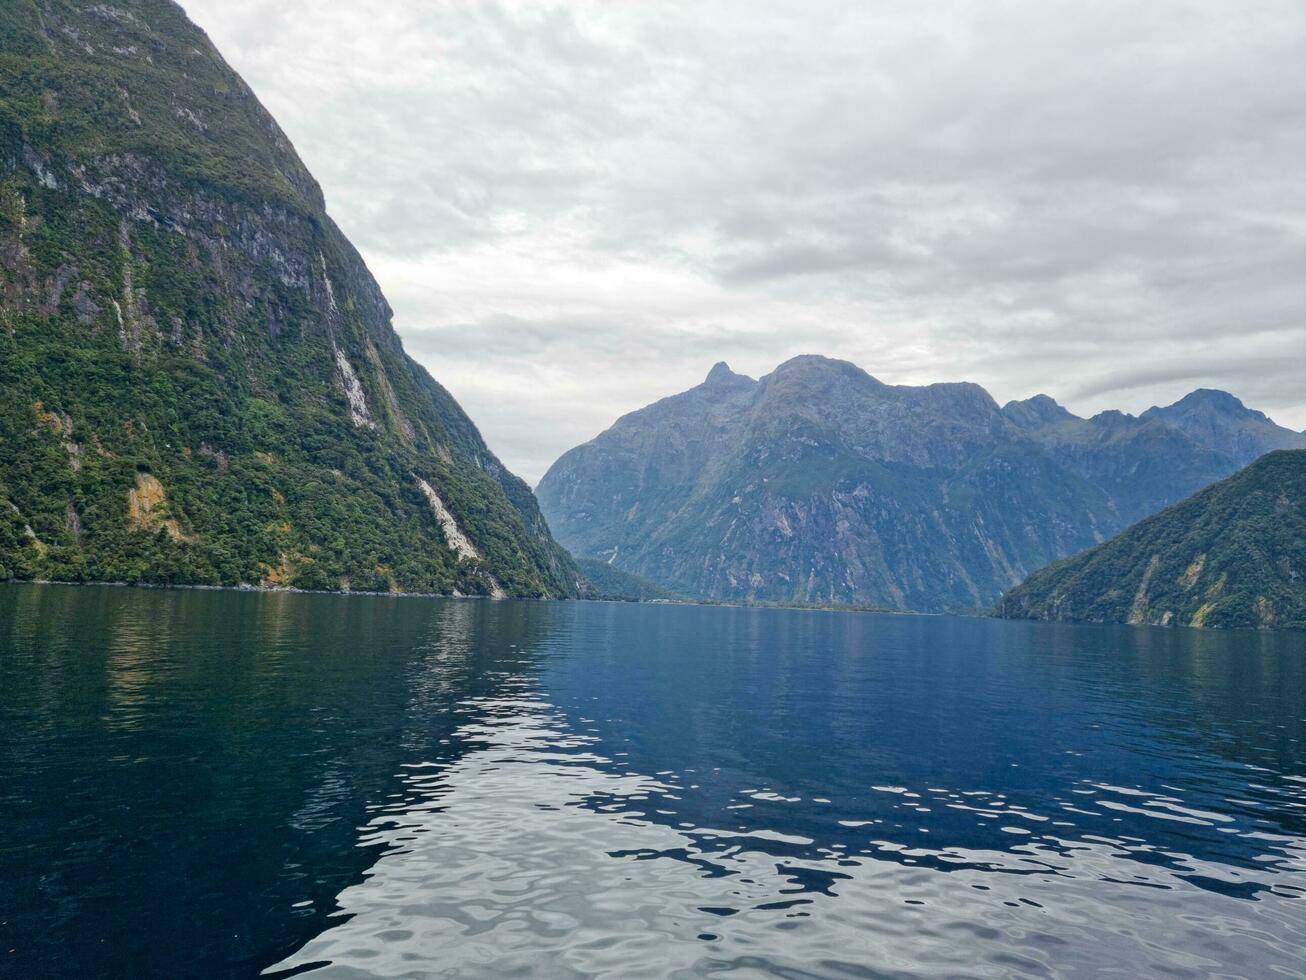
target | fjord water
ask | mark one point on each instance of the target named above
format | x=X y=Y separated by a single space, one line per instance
x=224 y=784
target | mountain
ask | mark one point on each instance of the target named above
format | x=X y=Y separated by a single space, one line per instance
x=1233 y=555
x=1219 y=421
x=607 y=582
x=1143 y=464
x=819 y=483
x=199 y=380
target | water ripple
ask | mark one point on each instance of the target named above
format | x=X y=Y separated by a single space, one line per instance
x=201 y=784
x=536 y=855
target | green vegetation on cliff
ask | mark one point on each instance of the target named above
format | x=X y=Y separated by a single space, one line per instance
x=820 y=485
x=608 y=582
x=1233 y=555
x=199 y=381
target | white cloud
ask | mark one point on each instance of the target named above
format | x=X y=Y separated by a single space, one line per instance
x=576 y=208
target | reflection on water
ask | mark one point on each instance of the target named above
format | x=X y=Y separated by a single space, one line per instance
x=212 y=783
x=536 y=855
x=136 y=636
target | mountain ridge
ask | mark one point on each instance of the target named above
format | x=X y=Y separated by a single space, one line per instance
x=1232 y=555
x=202 y=381
x=818 y=482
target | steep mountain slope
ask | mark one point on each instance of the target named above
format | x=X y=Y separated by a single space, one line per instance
x=1143 y=464
x=1219 y=421
x=199 y=381
x=611 y=583
x=819 y=483
x=1234 y=555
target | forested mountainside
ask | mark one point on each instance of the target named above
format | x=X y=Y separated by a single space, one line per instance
x=607 y=582
x=819 y=483
x=199 y=381
x=1233 y=555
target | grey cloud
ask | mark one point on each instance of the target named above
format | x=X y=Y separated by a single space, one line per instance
x=1179 y=370
x=1103 y=200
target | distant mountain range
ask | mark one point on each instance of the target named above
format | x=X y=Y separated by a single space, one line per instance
x=820 y=484
x=201 y=384
x=199 y=381
x=1233 y=555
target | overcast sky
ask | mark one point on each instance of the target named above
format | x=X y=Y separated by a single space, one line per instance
x=576 y=208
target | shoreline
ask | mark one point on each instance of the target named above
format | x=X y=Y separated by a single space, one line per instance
x=700 y=603
x=269 y=589
x=285 y=589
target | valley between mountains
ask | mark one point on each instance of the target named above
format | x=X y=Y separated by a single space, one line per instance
x=200 y=384
x=820 y=484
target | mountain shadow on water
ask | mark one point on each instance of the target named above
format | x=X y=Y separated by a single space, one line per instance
x=273 y=725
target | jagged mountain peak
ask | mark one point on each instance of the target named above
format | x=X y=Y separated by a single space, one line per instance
x=966 y=395
x=1037 y=411
x=721 y=374
x=1219 y=421
x=1113 y=418
x=819 y=483
x=1212 y=399
x=818 y=364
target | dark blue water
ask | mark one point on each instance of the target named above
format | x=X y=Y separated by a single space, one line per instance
x=218 y=784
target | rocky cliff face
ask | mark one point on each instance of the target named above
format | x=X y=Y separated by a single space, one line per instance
x=1223 y=424
x=1149 y=462
x=820 y=484
x=1233 y=555
x=178 y=312
x=1142 y=464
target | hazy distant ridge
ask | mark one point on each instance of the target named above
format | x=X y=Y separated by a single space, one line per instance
x=1233 y=555
x=819 y=483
